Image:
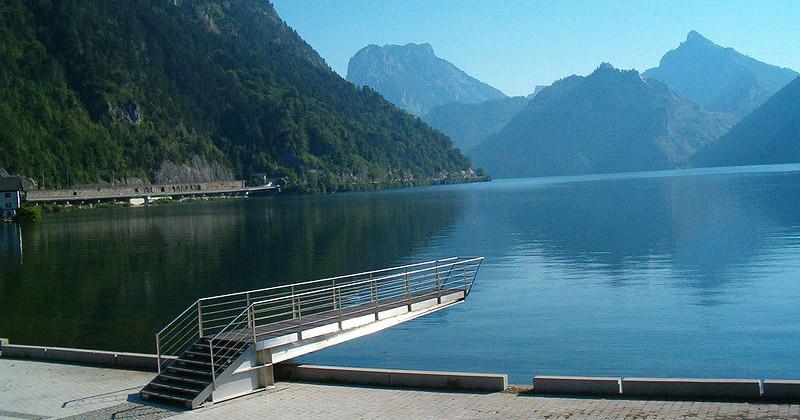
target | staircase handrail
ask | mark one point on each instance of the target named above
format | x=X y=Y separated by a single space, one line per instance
x=250 y=335
x=197 y=321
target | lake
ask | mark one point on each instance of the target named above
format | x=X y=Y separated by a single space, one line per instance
x=690 y=273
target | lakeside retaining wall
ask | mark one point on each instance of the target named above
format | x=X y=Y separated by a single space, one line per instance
x=124 y=360
x=668 y=388
x=121 y=192
x=458 y=381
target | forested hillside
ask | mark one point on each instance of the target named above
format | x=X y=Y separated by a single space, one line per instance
x=98 y=91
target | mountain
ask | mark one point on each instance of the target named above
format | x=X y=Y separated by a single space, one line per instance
x=771 y=134
x=609 y=121
x=97 y=90
x=412 y=77
x=718 y=78
x=469 y=124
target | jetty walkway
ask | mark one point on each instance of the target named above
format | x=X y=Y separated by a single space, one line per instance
x=34 y=390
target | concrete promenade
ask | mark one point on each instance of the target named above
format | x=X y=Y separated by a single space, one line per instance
x=31 y=390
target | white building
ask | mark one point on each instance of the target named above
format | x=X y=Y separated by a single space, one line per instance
x=10 y=195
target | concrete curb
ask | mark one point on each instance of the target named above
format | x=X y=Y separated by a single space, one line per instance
x=137 y=361
x=782 y=390
x=454 y=381
x=743 y=389
x=576 y=385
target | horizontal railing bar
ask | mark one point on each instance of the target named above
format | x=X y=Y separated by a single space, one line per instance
x=333 y=278
x=190 y=307
x=237 y=309
x=177 y=345
x=368 y=281
x=182 y=331
x=228 y=302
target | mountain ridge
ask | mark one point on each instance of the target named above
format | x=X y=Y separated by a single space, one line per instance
x=719 y=78
x=610 y=121
x=412 y=77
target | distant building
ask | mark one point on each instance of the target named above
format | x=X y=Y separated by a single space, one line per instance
x=10 y=196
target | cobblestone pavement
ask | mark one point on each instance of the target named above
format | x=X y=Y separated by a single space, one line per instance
x=302 y=400
x=44 y=390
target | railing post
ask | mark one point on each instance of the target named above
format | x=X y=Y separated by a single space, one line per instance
x=251 y=315
x=333 y=288
x=464 y=270
x=438 y=280
x=213 y=368
x=407 y=287
x=339 y=306
x=373 y=291
x=200 y=318
x=158 y=353
x=294 y=313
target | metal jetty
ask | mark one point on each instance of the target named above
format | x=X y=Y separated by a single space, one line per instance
x=225 y=346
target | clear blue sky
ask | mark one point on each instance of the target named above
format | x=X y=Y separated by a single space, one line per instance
x=516 y=44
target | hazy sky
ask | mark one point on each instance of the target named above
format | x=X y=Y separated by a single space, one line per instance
x=516 y=44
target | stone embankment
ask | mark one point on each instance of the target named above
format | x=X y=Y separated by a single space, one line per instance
x=117 y=193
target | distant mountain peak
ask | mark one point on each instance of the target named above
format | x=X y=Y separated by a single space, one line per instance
x=694 y=37
x=605 y=66
x=719 y=78
x=425 y=47
x=606 y=71
x=412 y=77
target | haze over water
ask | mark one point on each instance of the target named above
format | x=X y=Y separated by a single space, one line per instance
x=678 y=273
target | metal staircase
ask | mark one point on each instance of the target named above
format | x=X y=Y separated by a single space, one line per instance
x=226 y=345
x=188 y=380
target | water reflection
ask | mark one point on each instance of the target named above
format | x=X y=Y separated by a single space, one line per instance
x=704 y=232
x=11 y=243
x=109 y=278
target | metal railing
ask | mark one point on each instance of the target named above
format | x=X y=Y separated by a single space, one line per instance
x=345 y=296
x=226 y=318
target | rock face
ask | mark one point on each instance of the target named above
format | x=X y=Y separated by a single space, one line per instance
x=197 y=168
x=470 y=124
x=412 y=77
x=771 y=134
x=125 y=113
x=609 y=121
x=719 y=78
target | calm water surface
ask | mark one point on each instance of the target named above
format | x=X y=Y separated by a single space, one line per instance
x=680 y=273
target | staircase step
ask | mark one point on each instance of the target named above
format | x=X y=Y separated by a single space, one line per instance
x=147 y=394
x=200 y=363
x=190 y=371
x=174 y=388
x=184 y=379
x=203 y=348
x=198 y=354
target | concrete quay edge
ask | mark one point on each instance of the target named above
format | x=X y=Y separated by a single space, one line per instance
x=103 y=358
x=672 y=388
x=740 y=389
x=454 y=381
